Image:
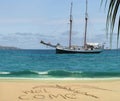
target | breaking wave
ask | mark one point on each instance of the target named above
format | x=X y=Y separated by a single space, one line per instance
x=60 y=73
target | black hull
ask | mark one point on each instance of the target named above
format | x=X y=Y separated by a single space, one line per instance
x=62 y=51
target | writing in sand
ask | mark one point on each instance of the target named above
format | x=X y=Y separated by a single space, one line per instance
x=54 y=92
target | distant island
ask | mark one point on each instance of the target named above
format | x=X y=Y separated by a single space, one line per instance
x=8 y=48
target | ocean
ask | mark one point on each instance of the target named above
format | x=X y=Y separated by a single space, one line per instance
x=46 y=64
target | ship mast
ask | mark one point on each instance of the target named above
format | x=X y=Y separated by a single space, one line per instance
x=70 y=25
x=86 y=20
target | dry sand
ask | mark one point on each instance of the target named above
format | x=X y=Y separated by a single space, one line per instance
x=59 y=90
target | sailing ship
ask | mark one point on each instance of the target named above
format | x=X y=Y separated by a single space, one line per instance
x=86 y=48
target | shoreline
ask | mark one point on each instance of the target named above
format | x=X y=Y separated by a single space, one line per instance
x=61 y=79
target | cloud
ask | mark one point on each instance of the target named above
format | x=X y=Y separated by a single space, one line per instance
x=55 y=31
x=27 y=40
x=32 y=40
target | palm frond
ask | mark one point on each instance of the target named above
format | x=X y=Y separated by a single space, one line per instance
x=102 y=3
x=111 y=19
x=118 y=32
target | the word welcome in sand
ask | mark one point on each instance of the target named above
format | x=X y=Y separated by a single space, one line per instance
x=57 y=92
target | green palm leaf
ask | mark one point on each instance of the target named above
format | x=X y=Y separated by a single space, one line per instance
x=118 y=32
x=111 y=18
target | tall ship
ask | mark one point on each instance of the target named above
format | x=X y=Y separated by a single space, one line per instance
x=85 y=48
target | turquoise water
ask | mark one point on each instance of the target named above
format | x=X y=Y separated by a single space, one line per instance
x=47 y=64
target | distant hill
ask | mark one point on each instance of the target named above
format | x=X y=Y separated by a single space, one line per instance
x=8 y=48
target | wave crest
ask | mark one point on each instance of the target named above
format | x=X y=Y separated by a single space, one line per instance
x=60 y=73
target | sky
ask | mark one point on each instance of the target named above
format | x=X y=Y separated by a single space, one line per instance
x=24 y=23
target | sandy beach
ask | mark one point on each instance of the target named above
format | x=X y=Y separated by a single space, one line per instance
x=59 y=90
